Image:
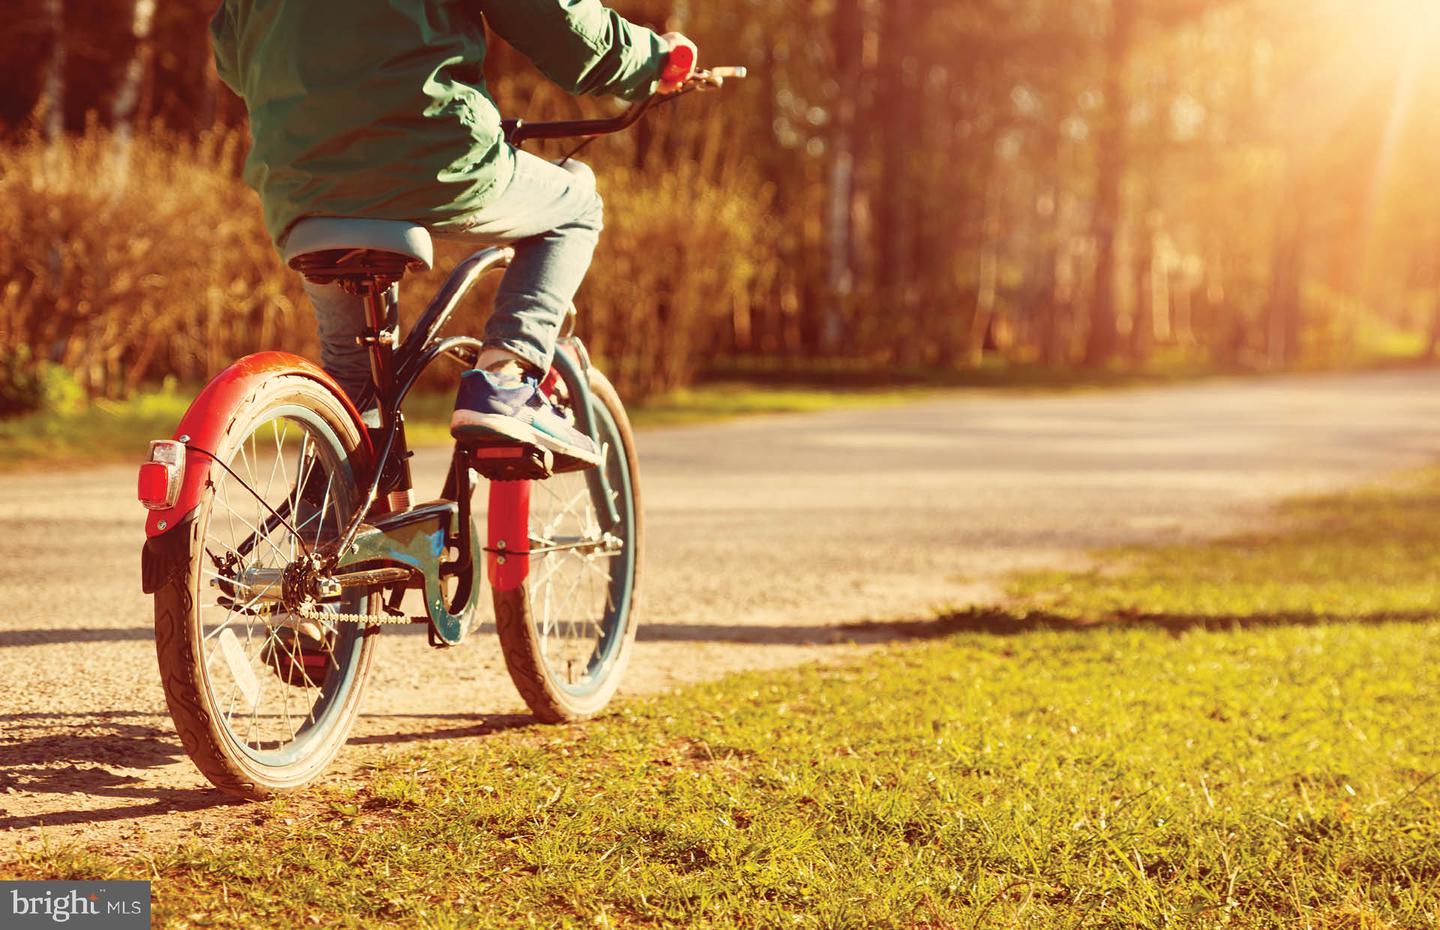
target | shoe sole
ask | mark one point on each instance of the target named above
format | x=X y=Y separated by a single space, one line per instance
x=495 y=429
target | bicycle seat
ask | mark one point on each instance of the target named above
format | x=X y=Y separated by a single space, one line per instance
x=331 y=248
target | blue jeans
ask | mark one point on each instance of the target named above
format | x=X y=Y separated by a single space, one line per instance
x=550 y=214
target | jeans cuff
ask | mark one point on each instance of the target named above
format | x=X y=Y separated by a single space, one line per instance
x=527 y=352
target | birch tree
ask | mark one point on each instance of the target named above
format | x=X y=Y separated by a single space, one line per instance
x=53 y=93
x=127 y=98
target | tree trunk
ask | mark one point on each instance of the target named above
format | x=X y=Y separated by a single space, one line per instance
x=1426 y=276
x=1284 y=310
x=679 y=16
x=208 y=113
x=1142 y=325
x=54 y=85
x=127 y=97
x=848 y=36
x=1112 y=156
x=894 y=117
x=1432 y=338
x=987 y=270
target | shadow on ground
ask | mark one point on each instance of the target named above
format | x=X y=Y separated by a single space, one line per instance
x=478 y=725
x=108 y=755
x=97 y=755
x=1001 y=621
x=997 y=621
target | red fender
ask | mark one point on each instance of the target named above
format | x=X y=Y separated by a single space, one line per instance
x=509 y=535
x=204 y=423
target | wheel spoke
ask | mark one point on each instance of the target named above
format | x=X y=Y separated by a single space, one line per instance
x=324 y=509
x=570 y=582
x=258 y=534
x=301 y=476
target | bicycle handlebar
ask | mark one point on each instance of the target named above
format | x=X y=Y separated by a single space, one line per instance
x=517 y=131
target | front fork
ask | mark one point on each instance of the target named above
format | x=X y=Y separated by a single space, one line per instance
x=572 y=365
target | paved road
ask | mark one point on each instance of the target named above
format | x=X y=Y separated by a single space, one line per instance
x=764 y=537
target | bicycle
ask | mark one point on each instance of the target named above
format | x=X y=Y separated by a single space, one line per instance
x=281 y=535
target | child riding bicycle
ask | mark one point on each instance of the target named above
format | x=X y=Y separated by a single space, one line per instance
x=378 y=109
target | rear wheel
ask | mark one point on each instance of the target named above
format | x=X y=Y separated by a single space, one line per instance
x=263 y=699
x=567 y=632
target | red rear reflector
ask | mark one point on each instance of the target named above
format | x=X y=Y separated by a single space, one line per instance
x=159 y=485
x=500 y=452
x=154 y=482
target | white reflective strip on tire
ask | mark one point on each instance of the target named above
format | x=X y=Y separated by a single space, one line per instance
x=240 y=668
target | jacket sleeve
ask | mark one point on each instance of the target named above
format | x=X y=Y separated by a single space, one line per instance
x=222 y=38
x=579 y=44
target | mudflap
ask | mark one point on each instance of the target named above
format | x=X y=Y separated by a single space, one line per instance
x=164 y=556
x=507 y=557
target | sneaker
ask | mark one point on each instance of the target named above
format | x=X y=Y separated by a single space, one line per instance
x=498 y=410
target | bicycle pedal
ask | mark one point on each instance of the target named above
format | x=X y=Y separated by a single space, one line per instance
x=512 y=463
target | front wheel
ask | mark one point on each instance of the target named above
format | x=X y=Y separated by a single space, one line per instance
x=567 y=632
x=262 y=699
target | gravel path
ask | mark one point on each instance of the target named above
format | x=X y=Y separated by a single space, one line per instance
x=765 y=537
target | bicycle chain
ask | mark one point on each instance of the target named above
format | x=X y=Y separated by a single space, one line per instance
x=309 y=612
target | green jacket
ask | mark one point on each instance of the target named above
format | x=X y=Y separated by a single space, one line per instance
x=378 y=108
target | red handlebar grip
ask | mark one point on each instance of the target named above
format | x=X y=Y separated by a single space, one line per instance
x=679 y=65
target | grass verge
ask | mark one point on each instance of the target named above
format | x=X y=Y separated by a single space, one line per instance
x=107 y=432
x=1240 y=734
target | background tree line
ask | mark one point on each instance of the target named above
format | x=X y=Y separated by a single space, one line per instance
x=905 y=183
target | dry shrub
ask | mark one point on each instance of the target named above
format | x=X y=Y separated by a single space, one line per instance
x=678 y=257
x=128 y=267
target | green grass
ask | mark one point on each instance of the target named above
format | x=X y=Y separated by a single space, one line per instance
x=1367 y=556
x=1237 y=734
x=108 y=432
x=101 y=433
x=993 y=373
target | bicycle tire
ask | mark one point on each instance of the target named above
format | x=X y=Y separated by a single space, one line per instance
x=193 y=661
x=522 y=615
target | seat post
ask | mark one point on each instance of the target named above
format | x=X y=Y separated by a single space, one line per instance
x=381 y=333
x=379 y=339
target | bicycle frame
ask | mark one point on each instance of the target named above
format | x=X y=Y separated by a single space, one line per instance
x=424 y=346
x=417 y=536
